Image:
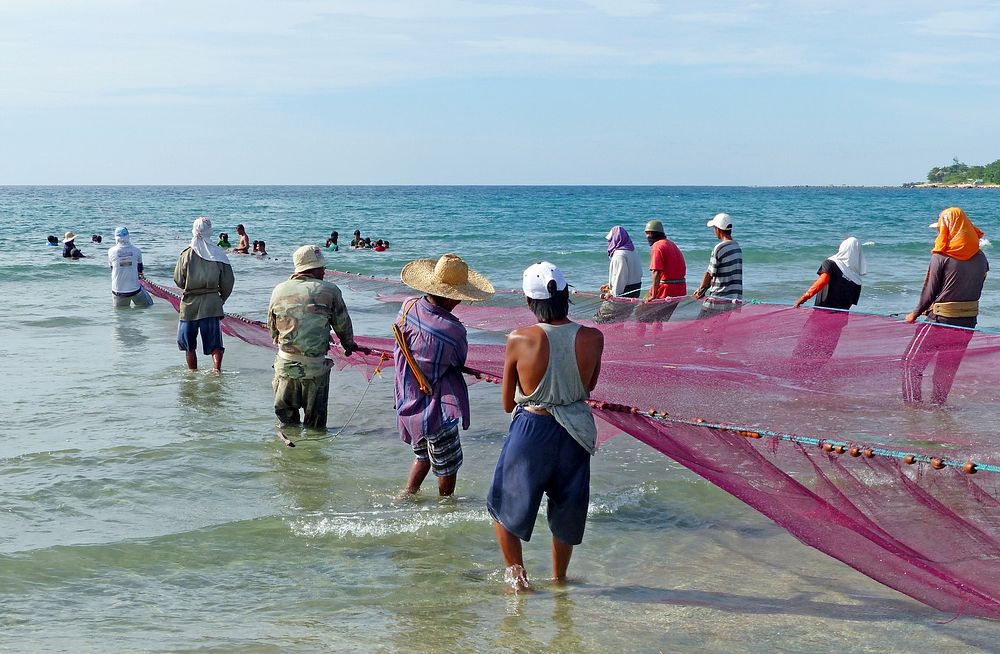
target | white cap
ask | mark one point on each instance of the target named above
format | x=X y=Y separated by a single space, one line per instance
x=537 y=278
x=722 y=221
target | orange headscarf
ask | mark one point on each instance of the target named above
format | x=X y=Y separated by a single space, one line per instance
x=957 y=236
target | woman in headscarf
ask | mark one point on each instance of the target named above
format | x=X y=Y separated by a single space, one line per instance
x=204 y=274
x=625 y=268
x=950 y=296
x=839 y=283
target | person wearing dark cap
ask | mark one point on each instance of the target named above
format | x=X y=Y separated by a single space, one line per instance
x=666 y=264
x=357 y=241
x=331 y=243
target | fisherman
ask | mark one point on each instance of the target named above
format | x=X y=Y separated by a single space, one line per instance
x=431 y=347
x=950 y=296
x=125 y=260
x=357 y=241
x=549 y=371
x=300 y=315
x=723 y=281
x=624 y=269
x=70 y=251
x=839 y=283
x=666 y=264
x=204 y=275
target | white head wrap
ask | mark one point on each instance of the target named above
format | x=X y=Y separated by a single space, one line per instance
x=201 y=242
x=851 y=260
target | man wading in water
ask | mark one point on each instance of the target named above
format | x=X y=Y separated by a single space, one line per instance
x=431 y=347
x=548 y=372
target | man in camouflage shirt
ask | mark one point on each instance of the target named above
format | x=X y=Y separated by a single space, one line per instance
x=300 y=315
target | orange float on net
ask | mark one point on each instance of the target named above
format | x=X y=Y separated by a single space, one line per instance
x=699 y=420
x=854 y=450
x=868 y=452
x=839 y=449
x=969 y=468
x=827 y=447
x=909 y=459
x=936 y=463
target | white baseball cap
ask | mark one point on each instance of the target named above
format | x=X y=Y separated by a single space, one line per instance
x=722 y=220
x=537 y=278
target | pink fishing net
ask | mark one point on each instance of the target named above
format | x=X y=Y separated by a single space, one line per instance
x=811 y=417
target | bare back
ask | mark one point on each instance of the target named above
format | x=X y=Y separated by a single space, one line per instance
x=527 y=358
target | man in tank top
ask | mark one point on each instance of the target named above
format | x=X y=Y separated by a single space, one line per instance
x=549 y=370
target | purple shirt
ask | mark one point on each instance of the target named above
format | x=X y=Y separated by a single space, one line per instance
x=439 y=344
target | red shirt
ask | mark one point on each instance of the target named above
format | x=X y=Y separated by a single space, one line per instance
x=666 y=258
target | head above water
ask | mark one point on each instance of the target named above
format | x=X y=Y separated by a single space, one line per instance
x=53 y=240
x=241 y=230
x=547 y=292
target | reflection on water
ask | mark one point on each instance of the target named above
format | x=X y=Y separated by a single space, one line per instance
x=127 y=331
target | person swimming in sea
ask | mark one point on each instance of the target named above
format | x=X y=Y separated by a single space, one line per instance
x=260 y=248
x=70 y=251
x=331 y=243
x=224 y=241
x=53 y=241
x=244 y=246
x=380 y=246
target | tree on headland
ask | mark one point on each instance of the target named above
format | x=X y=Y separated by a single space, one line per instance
x=960 y=173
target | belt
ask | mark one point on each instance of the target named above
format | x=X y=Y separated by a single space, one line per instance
x=301 y=358
x=673 y=281
x=130 y=294
x=967 y=309
x=201 y=291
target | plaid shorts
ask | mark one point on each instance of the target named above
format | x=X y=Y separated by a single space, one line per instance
x=443 y=450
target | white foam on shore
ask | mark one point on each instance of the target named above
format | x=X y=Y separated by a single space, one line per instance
x=375 y=526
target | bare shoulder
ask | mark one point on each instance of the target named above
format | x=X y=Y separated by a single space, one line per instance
x=529 y=333
x=591 y=335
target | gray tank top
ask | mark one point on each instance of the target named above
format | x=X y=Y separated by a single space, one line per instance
x=561 y=391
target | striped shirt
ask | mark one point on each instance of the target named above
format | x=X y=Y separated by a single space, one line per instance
x=439 y=344
x=726 y=269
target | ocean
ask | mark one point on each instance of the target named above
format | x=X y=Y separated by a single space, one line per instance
x=144 y=507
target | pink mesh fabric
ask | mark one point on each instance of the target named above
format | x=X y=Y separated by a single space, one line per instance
x=860 y=379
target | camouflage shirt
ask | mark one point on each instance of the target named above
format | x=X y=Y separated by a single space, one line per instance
x=301 y=313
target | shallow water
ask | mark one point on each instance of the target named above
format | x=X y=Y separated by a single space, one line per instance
x=147 y=508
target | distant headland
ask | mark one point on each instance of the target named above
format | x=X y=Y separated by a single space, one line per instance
x=960 y=175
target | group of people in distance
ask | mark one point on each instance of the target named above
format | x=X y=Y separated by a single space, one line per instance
x=244 y=247
x=357 y=243
x=950 y=293
x=69 y=248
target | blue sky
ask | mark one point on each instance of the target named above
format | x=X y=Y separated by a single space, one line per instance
x=505 y=92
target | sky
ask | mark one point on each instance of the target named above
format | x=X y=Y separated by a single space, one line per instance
x=495 y=92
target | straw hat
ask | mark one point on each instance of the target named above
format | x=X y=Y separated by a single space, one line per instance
x=69 y=237
x=448 y=277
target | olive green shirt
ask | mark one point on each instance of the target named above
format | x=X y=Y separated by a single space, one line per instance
x=206 y=285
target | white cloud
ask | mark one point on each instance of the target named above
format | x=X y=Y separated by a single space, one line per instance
x=970 y=24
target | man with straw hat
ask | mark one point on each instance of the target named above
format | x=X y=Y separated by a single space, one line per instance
x=302 y=311
x=431 y=346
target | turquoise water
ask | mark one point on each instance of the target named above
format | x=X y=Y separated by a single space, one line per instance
x=147 y=508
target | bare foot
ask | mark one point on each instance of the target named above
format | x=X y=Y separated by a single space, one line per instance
x=516 y=579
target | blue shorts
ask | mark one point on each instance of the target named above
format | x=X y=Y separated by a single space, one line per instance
x=211 y=335
x=539 y=456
